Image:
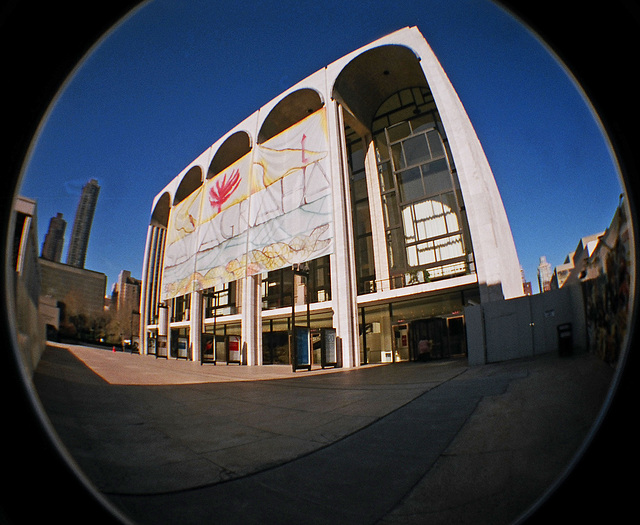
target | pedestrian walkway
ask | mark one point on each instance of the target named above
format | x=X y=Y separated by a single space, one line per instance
x=179 y=442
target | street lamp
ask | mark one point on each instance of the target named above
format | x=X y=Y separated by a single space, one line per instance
x=214 y=296
x=301 y=269
x=162 y=330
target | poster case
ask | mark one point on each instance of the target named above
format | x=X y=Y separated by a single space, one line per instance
x=183 y=348
x=161 y=347
x=234 y=349
x=329 y=351
x=300 y=348
x=208 y=353
x=151 y=343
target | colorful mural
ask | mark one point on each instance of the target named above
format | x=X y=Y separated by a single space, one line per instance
x=270 y=209
x=608 y=297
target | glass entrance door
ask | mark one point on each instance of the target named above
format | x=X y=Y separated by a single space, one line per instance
x=457 y=336
x=428 y=338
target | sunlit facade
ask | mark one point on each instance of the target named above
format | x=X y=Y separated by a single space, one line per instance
x=369 y=176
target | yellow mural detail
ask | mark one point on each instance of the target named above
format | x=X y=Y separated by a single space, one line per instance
x=209 y=244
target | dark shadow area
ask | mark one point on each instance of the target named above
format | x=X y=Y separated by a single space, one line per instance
x=374 y=439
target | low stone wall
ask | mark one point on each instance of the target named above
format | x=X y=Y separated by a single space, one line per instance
x=526 y=326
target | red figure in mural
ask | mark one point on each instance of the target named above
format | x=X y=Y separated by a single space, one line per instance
x=302 y=140
x=223 y=189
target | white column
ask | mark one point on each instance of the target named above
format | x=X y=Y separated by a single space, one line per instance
x=144 y=292
x=378 y=230
x=164 y=316
x=343 y=275
x=195 y=326
x=494 y=251
x=251 y=320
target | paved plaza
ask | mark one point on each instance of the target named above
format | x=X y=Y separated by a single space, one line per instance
x=169 y=441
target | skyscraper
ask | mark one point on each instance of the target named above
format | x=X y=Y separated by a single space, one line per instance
x=545 y=274
x=82 y=224
x=54 y=240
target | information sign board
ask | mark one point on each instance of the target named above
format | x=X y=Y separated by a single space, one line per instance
x=301 y=349
x=328 y=351
x=183 y=344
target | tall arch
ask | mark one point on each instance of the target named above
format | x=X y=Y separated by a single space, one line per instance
x=191 y=181
x=233 y=148
x=373 y=76
x=291 y=109
x=160 y=214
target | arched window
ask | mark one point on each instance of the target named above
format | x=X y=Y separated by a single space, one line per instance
x=160 y=214
x=291 y=109
x=191 y=181
x=375 y=75
x=233 y=148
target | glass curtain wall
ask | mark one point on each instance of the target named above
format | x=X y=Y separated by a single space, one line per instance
x=426 y=226
x=220 y=300
x=363 y=237
x=277 y=286
x=277 y=292
x=180 y=308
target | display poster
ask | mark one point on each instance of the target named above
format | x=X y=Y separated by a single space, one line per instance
x=302 y=348
x=268 y=210
x=208 y=354
x=183 y=345
x=161 y=349
x=329 y=355
x=234 y=349
x=151 y=344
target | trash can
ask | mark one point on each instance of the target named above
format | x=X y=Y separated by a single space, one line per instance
x=565 y=340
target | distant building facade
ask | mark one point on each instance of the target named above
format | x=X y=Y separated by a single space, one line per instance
x=573 y=270
x=362 y=191
x=125 y=304
x=54 y=239
x=526 y=285
x=81 y=231
x=81 y=291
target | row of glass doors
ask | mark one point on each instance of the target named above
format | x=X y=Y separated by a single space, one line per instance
x=415 y=340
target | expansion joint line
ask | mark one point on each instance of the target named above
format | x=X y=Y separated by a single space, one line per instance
x=286 y=462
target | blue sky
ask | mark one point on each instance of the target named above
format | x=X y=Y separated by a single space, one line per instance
x=173 y=77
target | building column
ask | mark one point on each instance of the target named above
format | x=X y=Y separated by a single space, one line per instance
x=144 y=292
x=252 y=320
x=376 y=211
x=494 y=251
x=343 y=275
x=164 y=316
x=195 y=326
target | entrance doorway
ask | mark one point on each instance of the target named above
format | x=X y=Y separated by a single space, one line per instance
x=401 y=343
x=275 y=348
x=437 y=337
x=457 y=336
